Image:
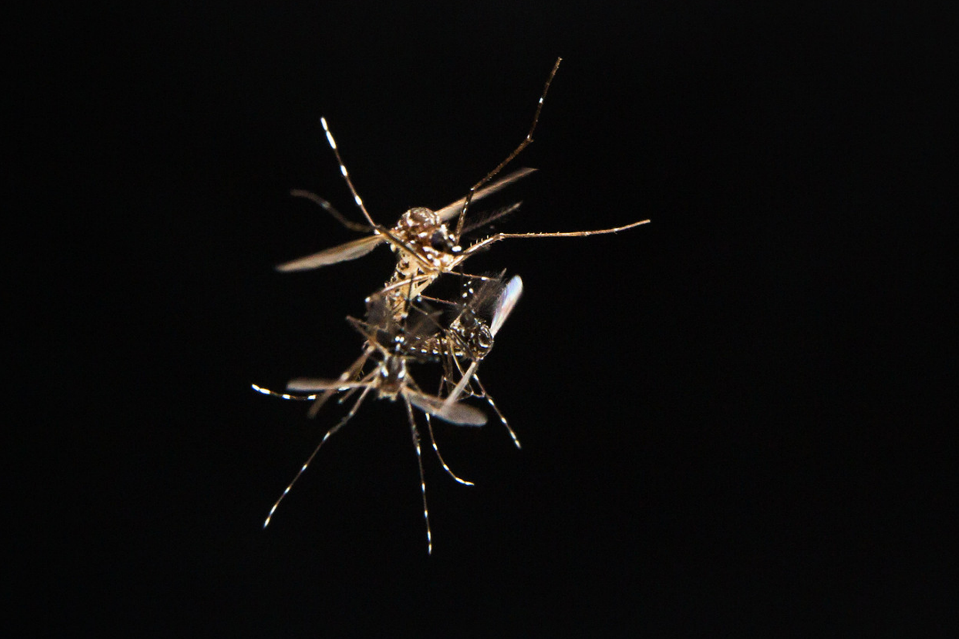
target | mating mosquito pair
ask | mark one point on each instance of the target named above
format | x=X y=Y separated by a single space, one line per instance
x=401 y=327
x=422 y=337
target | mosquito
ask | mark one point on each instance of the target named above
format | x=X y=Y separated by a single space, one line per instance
x=423 y=239
x=389 y=379
x=469 y=338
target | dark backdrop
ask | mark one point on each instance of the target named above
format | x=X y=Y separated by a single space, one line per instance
x=730 y=416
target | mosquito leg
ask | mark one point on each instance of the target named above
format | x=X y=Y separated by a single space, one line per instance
x=328 y=434
x=423 y=280
x=504 y=236
x=346 y=175
x=419 y=461
x=502 y=418
x=449 y=363
x=346 y=376
x=425 y=277
x=359 y=202
x=425 y=265
x=453 y=362
x=267 y=391
x=461 y=385
x=522 y=145
x=429 y=426
x=353 y=372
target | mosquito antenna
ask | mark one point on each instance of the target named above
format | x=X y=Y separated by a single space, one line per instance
x=509 y=158
x=419 y=462
x=303 y=468
x=329 y=208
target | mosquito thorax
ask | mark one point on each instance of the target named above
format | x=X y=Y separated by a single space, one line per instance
x=422 y=230
x=418 y=224
x=392 y=376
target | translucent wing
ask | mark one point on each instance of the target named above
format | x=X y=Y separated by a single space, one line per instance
x=310 y=384
x=448 y=411
x=450 y=211
x=342 y=253
x=505 y=304
x=488 y=217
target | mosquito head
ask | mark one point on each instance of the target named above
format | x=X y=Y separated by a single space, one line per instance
x=418 y=224
x=421 y=232
x=473 y=334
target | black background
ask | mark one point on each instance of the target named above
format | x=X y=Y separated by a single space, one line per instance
x=731 y=417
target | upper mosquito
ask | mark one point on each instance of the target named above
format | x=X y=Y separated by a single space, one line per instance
x=433 y=223
x=426 y=247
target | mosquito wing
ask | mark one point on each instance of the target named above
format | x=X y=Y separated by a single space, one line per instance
x=310 y=384
x=505 y=304
x=488 y=217
x=450 y=211
x=342 y=253
x=449 y=411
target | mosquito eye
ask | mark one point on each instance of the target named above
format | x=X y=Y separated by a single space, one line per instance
x=484 y=339
x=440 y=241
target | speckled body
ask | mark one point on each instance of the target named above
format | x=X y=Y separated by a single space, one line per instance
x=421 y=230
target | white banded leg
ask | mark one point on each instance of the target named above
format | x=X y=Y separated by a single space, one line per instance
x=419 y=461
x=328 y=434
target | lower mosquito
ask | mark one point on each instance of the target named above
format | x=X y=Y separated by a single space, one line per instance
x=484 y=307
x=390 y=380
